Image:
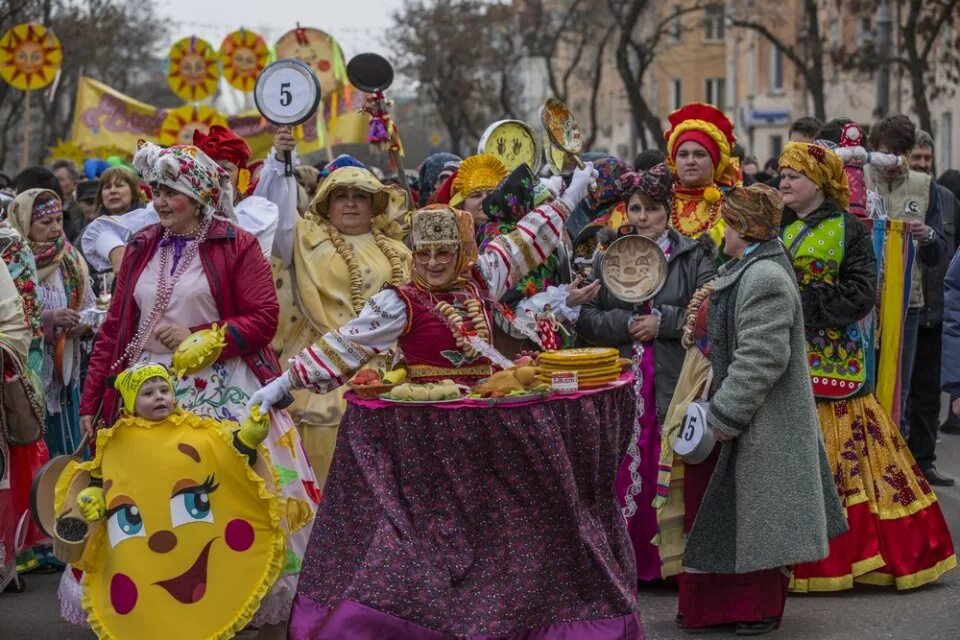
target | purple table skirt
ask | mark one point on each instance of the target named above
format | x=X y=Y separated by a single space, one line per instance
x=477 y=523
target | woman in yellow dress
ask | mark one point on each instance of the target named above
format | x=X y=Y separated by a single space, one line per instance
x=345 y=249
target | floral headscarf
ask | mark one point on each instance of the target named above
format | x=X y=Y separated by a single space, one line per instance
x=822 y=166
x=514 y=198
x=439 y=225
x=754 y=212
x=430 y=170
x=188 y=170
x=50 y=256
x=655 y=183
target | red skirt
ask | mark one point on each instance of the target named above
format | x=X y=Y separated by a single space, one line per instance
x=710 y=599
x=25 y=461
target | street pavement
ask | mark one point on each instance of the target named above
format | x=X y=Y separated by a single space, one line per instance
x=868 y=613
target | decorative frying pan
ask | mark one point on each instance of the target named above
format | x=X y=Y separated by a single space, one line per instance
x=558 y=161
x=633 y=269
x=44 y=483
x=562 y=129
x=370 y=72
x=514 y=142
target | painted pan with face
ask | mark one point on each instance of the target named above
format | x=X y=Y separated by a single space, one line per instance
x=633 y=269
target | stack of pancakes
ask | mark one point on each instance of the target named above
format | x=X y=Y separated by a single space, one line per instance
x=593 y=366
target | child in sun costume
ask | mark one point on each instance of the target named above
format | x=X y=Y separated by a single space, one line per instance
x=184 y=542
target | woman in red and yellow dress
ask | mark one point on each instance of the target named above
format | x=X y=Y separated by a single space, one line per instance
x=700 y=153
x=897 y=533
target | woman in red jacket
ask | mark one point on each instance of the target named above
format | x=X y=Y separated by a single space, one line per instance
x=193 y=269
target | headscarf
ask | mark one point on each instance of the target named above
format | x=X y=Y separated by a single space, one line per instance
x=50 y=256
x=607 y=193
x=386 y=198
x=130 y=380
x=190 y=171
x=754 y=212
x=514 y=198
x=440 y=225
x=822 y=166
x=483 y=171
x=430 y=170
x=655 y=183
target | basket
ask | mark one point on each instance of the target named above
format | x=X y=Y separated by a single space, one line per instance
x=70 y=548
x=370 y=392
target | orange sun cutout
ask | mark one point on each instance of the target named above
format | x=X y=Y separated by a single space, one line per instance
x=194 y=69
x=243 y=55
x=30 y=56
x=180 y=123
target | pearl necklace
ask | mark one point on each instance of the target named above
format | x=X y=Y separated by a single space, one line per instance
x=164 y=292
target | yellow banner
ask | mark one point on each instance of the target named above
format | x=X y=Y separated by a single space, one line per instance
x=105 y=119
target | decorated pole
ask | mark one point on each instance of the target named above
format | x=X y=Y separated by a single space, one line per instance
x=30 y=58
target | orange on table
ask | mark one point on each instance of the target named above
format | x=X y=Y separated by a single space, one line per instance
x=243 y=55
x=194 y=69
x=180 y=123
x=30 y=56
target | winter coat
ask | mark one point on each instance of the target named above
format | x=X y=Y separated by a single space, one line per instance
x=604 y=321
x=242 y=286
x=931 y=314
x=771 y=501
x=950 y=362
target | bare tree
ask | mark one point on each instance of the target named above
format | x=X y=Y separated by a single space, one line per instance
x=805 y=49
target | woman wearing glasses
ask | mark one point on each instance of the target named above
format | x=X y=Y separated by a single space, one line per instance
x=652 y=340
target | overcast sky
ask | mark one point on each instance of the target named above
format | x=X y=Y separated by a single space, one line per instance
x=359 y=25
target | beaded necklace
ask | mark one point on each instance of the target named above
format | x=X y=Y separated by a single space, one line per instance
x=164 y=291
x=345 y=251
x=692 y=214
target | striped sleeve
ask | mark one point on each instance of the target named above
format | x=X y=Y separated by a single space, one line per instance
x=510 y=257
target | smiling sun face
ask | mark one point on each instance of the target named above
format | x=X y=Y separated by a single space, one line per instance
x=188 y=538
x=194 y=69
x=30 y=56
x=243 y=55
x=180 y=123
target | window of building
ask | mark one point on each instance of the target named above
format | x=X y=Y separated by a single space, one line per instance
x=676 y=93
x=776 y=146
x=676 y=23
x=713 y=23
x=864 y=30
x=776 y=69
x=715 y=91
x=946 y=140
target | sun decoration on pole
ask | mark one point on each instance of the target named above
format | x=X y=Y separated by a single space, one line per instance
x=180 y=123
x=243 y=55
x=194 y=69
x=30 y=56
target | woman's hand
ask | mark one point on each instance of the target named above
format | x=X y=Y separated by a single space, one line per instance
x=171 y=335
x=79 y=330
x=283 y=141
x=87 y=427
x=579 y=293
x=644 y=328
x=270 y=394
x=65 y=318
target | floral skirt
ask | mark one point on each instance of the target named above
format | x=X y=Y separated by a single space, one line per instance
x=897 y=533
x=221 y=392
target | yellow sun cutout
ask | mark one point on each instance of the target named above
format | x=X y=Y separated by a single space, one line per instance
x=243 y=55
x=194 y=69
x=180 y=123
x=30 y=56
x=67 y=150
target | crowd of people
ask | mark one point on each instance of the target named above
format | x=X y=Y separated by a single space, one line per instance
x=768 y=312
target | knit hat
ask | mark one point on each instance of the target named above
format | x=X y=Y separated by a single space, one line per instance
x=822 y=166
x=705 y=125
x=430 y=170
x=188 y=170
x=656 y=184
x=221 y=143
x=754 y=212
x=129 y=381
x=480 y=172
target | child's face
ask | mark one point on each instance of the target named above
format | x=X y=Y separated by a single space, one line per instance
x=155 y=400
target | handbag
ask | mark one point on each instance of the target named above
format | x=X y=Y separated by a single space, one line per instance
x=21 y=410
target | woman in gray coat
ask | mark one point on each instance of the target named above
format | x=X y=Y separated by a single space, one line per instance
x=652 y=340
x=771 y=501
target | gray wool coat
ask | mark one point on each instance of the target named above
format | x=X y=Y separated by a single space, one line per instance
x=771 y=501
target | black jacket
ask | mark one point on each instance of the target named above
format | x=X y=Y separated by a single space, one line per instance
x=855 y=292
x=604 y=321
x=931 y=314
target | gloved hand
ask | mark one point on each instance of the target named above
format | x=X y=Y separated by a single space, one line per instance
x=270 y=394
x=92 y=504
x=579 y=185
x=254 y=428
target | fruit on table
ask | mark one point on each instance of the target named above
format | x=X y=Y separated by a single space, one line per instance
x=443 y=390
x=395 y=377
x=366 y=378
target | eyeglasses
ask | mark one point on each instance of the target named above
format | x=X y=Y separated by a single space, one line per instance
x=442 y=256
